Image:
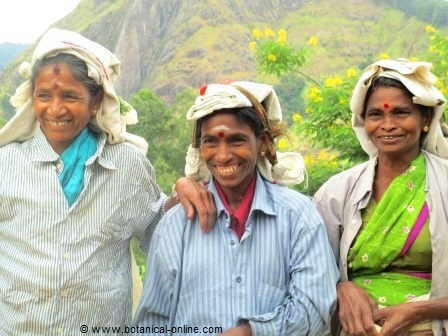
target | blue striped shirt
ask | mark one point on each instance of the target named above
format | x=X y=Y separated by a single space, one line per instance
x=281 y=276
x=60 y=266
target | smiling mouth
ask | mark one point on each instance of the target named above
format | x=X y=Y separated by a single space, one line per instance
x=225 y=171
x=388 y=138
x=58 y=123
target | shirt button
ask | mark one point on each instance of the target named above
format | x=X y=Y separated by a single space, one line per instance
x=58 y=165
x=232 y=242
x=238 y=279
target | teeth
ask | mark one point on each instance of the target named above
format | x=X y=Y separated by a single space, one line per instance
x=226 y=171
x=58 y=123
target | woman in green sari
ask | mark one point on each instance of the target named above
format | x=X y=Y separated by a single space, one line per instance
x=387 y=218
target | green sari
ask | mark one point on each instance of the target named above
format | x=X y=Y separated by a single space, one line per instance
x=383 y=236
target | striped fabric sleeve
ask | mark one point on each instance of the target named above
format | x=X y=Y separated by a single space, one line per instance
x=311 y=295
x=159 y=285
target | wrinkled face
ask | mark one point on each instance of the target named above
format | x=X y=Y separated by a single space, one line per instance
x=230 y=149
x=394 y=123
x=62 y=105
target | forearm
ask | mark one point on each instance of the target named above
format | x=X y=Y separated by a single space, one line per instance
x=432 y=309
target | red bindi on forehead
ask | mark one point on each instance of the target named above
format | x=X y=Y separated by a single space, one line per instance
x=56 y=69
x=386 y=105
x=221 y=134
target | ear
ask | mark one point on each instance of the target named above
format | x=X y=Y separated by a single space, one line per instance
x=262 y=144
x=96 y=103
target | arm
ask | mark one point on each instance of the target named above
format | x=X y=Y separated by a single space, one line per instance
x=156 y=302
x=356 y=309
x=195 y=198
x=312 y=288
x=397 y=319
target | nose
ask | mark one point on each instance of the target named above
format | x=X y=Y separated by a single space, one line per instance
x=55 y=107
x=388 y=123
x=223 y=153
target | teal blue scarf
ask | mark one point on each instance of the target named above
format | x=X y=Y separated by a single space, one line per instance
x=74 y=158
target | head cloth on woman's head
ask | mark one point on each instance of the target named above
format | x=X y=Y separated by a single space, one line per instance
x=113 y=114
x=288 y=169
x=418 y=79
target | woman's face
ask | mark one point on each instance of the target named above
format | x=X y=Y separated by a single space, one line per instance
x=230 y=149
x=393 y=123
x=62 y=104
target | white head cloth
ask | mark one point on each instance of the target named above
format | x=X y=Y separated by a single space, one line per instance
x=288 y=170
x=418 y=79
x=112 y=116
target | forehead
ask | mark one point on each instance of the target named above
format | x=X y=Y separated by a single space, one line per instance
x=224 y=123
x=390 y=96
x=54 y=75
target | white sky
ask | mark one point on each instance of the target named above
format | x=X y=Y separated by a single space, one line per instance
x=23 y=21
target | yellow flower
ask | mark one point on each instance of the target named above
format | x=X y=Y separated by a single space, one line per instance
x=282 y=35
x=253 y=46
x=430 y=29
x=342 y=101
x=296 y=117
x=383 y=56
x=272 y=58
x=313 y=41
x=308 y=110
x=308 y=159
x=332 y=82
x=269 y=32
x=257 y=33
x=314 y=91
x=413 y=59
x=282 y=144
x=352 y=72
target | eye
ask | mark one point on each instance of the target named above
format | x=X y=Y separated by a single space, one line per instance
x=402 y=112
x=71 y=97
x=43 y=96
x=373 y=114
x=237 y=140
x=208 y=141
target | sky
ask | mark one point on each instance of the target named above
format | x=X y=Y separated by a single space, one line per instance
x=23 y=21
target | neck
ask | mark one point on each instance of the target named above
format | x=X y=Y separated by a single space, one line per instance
x=234 y=195
x=394 y=165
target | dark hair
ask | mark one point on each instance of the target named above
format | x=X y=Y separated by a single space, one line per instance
x=78 y=68
x=246 y=115
x=386 y=82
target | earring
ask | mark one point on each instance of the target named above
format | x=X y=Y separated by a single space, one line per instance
x=262 y=153
x=426 y=129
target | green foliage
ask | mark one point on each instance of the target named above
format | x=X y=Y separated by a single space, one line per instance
x=433 y=11
x=2 y=123
x=328 y=117
x=166 y=131
x=438 y=55
x=288 y=91
x=275 y=55
x=320 y=167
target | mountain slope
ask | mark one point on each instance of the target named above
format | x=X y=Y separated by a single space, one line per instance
x=168 y=45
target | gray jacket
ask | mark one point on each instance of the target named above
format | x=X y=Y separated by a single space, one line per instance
x=341 y=199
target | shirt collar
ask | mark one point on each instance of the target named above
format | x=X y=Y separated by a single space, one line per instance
x=364 y=185
x=41 y=151
x=262 y=201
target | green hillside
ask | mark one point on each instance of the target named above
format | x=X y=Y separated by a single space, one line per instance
x=170 y=45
